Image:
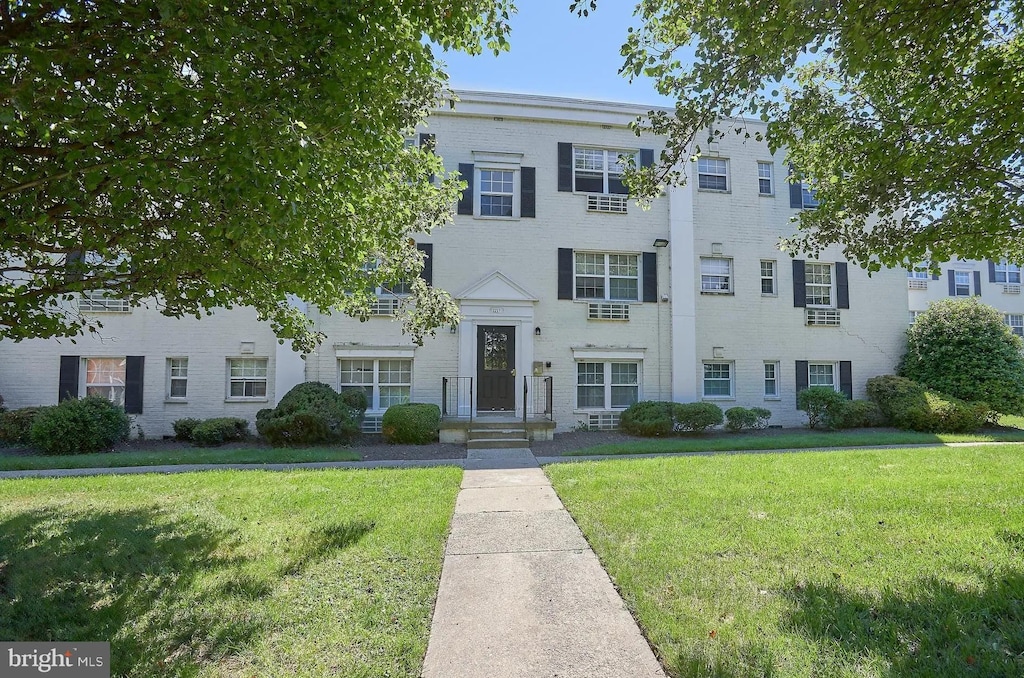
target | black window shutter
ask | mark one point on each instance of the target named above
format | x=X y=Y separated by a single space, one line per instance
x=528 y=192
x=466 y=201
x=977 y=283
x=991 y=271
x=796 y=195
x=842 y=286
x=935 y=276
x=428 y=262
x=68 y=382
x=133 y=375
x=565 y=273
x=952 y=284
x=564 y=167
x=650 y=265
x=427 y=142
x=646 y=157
x=801 y=377
x=799 y=282
x=846 y=378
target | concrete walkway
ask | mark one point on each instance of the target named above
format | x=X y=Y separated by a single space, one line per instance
x=522 y=594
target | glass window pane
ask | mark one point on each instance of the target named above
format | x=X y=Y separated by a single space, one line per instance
x=624 y=396
x=623 y=288
x=590 y=396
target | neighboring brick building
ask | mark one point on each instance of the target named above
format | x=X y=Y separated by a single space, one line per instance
x=997 y=283
x=567 y=290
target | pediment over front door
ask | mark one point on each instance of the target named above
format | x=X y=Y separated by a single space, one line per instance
x=496 y=286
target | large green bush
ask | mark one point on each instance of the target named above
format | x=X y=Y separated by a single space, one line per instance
x=822 y=404
x=962 y=348
x=219 y=430
x=910 y=405
x=411 y=423
x=739 y=418
x=313 y=413
x=16 y=425
x=91 y=424
x=183 y=427
x=695 y=417
x=651 y=418
x=855 y=414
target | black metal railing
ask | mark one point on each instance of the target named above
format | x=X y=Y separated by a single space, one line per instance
x=457 y=397
x=541 y=390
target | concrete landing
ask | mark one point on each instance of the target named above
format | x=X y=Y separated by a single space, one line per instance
x=522 y=594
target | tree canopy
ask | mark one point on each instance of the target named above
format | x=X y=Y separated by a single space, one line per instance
x=906 y=116
x=215 y=154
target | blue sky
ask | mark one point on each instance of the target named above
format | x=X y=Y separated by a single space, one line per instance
x=555 y=52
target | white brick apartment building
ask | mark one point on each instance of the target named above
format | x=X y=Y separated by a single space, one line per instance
x=568 y=292
x=997 y=283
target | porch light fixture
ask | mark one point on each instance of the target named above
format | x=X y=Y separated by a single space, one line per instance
x=536 y=331
x=454 y=328
x=660 y=242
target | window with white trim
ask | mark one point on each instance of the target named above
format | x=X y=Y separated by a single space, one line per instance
x=400 y=288
x=808 y=196
x=819 y=285
x=768 y=288
x=247 y=377
x=962 y=283
x=718 y=380
x=914 y=315
x=919 y=272
x=712 y=174
x=177 y=378
x=105 y=377
x=497 y=194
x=771 y=379
x=607 y=385
x=602 y=275
x=822 y=374
x=1015 y=321
x=100 y=301
x=1006 y=272
x=599 y=170
x=385 y=381
x=765 y=185
x=715 y=275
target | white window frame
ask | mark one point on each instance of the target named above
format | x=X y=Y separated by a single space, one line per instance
x=177 y=371
x=833 y=371
x=608 y=383
x=712 y=169
x=710 y=281
x=808 y=196
x=258 y=364
x=815 y=268
x=1006 y=272
x=771 y=277
x=585 y=161
x=914 y=315
x=731 y=379
x=1015 y=321
x=99 y=301
x=957 y=285
x=605 y=274
x=771 y=380
x=381 y=291
x=919 y=272
x=765 y=172
x=374 y=386
x=512 y=193
x=116 y=385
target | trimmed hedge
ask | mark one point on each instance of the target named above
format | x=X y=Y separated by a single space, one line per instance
x=655 y=418
x=823 y=405
x=313 y=413
x=411 y=423
x=16 y=425
x=90 y=424
x=183 y=427
x=910 y=405
x=739 y=418
x=219 y=430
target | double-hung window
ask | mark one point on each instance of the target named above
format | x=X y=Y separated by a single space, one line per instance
x=607 y=385
x=819 y=285
x=1015 y=321
x=614 y=277
x=177 y=378
x=712 y=174
x=918 y=272
x=385 y=381
x=1005 y=272
x=599 y=170
x=715 y=275
x=808 y=195
x=764 y=179
x=105 y=377
x=718 y=380
x=497 y=193
x=821 y=374
x=962 y=283
x=768 y=278
x=247 y=377
x=771 y=380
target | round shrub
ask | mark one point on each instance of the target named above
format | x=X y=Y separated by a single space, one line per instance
x=91 y=424
x=300 y=428
x=183 y=428
x=648 y=418
x=340 y=416
x=909 y=405
x=855 y=414
x=822 y=405
x=16 y=425
x=695 y=417
x=219 y=430
x=411 y=423
x=739 y=418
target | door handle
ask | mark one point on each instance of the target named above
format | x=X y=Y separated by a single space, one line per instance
x=513 y=373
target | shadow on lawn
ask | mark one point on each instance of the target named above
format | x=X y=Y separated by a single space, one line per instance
x=170 y=593
x=941 y=630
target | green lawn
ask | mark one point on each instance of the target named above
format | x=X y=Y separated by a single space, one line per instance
x=309 y=573
x=860 y=563
x=249 y=455
x=770 y=440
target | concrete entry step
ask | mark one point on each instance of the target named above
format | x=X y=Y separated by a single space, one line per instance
x=503 y=432
x=485 y=443
x=521 y=452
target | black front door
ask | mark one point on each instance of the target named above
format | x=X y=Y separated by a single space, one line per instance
x=495 y=368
